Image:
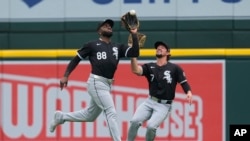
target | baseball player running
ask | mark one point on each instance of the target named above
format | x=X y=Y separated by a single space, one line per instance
x=162 y=77
x=104 y=57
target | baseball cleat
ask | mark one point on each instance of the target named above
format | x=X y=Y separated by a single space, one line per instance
x=56 y=121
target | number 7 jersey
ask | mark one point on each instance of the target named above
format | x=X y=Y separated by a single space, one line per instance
x=162 y=80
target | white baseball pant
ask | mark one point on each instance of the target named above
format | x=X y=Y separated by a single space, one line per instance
x=99 y=88
x=152 y=112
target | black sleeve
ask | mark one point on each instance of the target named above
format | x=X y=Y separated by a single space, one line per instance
x=185 y=86
x=85 y=50
x=145 y=69
x=182 y=79
x=134 y=50
x=180 y=74
x=72 y=65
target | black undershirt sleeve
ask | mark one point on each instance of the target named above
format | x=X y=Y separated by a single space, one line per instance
x=186 y=87
x=134 y=50
x=72 y=65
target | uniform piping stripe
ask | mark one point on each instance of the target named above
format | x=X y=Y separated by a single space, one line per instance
x=127 y=51
x=183 y=81
x=79 y=55
x=103 y=107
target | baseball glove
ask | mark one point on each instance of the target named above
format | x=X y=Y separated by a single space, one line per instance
x=141 y=39
x=129 y=20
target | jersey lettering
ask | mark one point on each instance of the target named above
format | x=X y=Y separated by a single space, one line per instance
x=115 y=52
x=152 y=77
x=168 y=77
x=101 y=55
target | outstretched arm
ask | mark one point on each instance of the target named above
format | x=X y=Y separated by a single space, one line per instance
x=134 y=50
x=136 y=69
x=187 y=90
x=71 y=66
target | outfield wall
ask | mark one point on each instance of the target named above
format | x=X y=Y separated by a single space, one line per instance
x=178 y=34
x=62 y=24
x=220 y=88
x=207 y=37
x=30 y=94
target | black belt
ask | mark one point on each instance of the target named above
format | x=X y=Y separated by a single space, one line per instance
x=161 y=100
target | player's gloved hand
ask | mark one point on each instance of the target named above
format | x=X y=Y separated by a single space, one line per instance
x=63 y=82
x=130 y=20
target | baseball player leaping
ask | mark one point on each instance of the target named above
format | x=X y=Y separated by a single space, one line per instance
x=104 y=57
x=162 y=77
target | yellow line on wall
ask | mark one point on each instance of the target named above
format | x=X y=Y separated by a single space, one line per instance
x=143 y=53
x=37 y=53
x=201 y=52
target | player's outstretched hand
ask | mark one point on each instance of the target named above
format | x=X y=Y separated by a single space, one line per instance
x=189 y=97
x=63 y=82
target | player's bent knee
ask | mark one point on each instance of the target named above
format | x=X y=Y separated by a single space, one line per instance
x=151 y=128
x=135 y=123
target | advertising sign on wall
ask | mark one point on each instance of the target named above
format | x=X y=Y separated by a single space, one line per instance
x=30 y=94
x=22 y=10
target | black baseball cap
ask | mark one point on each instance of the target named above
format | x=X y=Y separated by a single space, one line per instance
x=162 y=43
x=109 y=21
